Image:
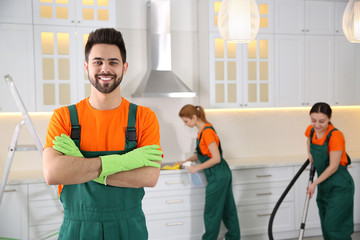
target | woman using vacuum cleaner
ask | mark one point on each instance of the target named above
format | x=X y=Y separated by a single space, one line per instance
x=335 y=198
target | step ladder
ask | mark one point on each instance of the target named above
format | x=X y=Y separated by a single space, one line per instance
x=14 y=145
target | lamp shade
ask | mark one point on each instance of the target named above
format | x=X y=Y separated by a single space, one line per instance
x=351 y=21
x=238 y=20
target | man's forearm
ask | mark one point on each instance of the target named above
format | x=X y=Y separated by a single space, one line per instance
x=60 y=169
x=137 y=178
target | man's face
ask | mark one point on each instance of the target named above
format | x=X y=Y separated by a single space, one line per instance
x=105 y=68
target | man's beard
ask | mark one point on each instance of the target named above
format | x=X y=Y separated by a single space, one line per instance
x=105 y=87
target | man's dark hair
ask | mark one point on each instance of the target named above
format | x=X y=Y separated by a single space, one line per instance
x=105 y=36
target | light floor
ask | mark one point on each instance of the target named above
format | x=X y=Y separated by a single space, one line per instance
x=355 y=236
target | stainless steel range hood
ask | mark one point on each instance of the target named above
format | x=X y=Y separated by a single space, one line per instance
x=160 y=80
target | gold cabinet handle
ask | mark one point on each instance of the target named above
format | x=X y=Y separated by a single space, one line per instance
x=174 y=201
x=263 y=194
x=174 y=224
x=263 y=176
x=10 y=190
x=174 y=182
x=264 y=215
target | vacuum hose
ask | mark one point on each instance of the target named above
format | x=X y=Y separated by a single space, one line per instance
x=270 y=233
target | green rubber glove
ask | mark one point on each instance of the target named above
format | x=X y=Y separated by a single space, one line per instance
x=66 y=145
x=137 y=158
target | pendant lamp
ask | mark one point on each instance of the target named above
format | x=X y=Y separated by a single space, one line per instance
x=351 y=21
x=238 y=20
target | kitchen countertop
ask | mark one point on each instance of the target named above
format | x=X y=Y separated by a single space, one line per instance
x=36 y=176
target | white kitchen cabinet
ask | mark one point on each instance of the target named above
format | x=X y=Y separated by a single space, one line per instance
x=304 y=52
x=59 y=60
x=339 y=13
x=61 y=29
x=347 y=72
x=354 y=170
x=304 y=17
x=15 y=11
x=174 y=208
x=72 y=12
x=319 y=67
x=241 y=75
x=16 y=47
x=304 y=70
x=45 y=211
x=13 y=212
x=256 y=191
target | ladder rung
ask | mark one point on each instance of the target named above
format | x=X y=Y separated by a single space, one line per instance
x=25 y=148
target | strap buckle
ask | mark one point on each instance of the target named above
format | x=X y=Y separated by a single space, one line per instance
x=131 y=134
x=75 y=132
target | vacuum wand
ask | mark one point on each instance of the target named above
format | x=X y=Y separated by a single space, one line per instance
x=307 y=199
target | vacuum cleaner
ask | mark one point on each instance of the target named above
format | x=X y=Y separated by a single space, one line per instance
x=302 y=226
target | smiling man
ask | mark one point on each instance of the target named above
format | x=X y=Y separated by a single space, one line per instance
x=103 y=150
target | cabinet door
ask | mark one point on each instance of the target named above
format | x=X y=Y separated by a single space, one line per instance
x=258 y=72
x=226 y=72
x=266 y=11
x=319 y=17
x=14 y=212
x=319 y=65
x=55 y=59
x=95 y=13
x=75 y=13
x=15 y=11
x=45 y=211
x=289 y=16
x=339 y=12
x=16 y=45
x=354 y=170
x=289 y=70
x=347 y=60
x=54 y=12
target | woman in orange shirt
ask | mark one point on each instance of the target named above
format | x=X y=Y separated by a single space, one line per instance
x=219 y=200
x=335 y=198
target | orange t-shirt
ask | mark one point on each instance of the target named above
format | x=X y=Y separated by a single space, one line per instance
x=105 y=130
x=208 y=136
x=336 y=142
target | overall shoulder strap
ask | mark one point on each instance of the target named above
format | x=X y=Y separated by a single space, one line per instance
x=75 y=127
x=328 y=139
x=311 y=134
x=130 y=134
x=329 y=135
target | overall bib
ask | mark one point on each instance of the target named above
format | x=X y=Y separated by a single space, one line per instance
x=335 y=198
x=96 y=211
x=219 y=200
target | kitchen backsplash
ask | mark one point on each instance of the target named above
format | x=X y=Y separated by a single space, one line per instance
x=243 y=132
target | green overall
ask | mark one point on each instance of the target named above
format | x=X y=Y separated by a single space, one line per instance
x=219 y=201
x=97 y=211
x=335 y=198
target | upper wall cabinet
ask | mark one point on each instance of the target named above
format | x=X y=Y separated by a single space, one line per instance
x=15 y=11
x=89 y=13
x=241 y=75
x=17 y=51
x=311 y=17
x=313 y=60
x=61 y=30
